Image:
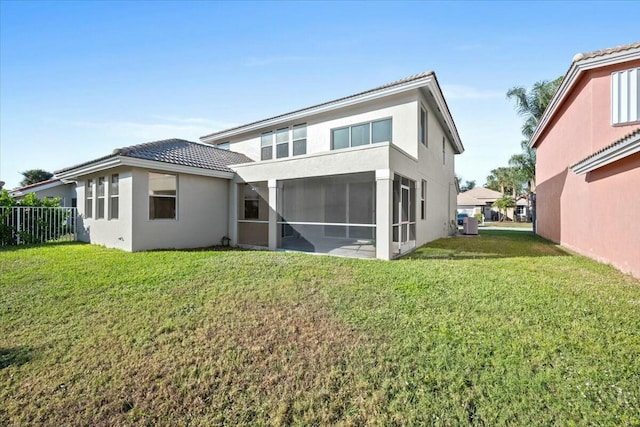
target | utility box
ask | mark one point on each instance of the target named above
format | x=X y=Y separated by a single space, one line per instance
x=470 y=225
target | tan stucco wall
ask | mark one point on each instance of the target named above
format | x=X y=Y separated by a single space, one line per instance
x=202 y=214
x=593 y=213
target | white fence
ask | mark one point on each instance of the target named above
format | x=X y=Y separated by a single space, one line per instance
x=31 y=225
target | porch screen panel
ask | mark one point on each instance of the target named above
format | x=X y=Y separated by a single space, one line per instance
x=404 y=213
x=328 y=214
x=253 y=214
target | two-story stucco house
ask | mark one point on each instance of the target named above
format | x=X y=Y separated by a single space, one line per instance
x=588 y=159
x=367 y=175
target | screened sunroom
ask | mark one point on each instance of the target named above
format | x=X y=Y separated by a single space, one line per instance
x=333 y=214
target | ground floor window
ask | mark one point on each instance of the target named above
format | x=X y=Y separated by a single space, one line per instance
x=88 y=205
x=253 y=214
x=163 y=195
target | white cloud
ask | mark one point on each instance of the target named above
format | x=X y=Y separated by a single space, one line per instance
x=468 y=92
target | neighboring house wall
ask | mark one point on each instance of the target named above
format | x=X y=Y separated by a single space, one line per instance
x=66 y=193
x=202 y=214
x=594 y=214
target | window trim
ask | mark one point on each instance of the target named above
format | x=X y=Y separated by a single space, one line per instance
x=103 y=197
x=370 y=123
x=274 y=142
x=246 y=199
x=423 y=135
x=88 y=203
x=294 y=140
x=617 y=97
x=149 y=196
x=423 y=199
x=113 y=196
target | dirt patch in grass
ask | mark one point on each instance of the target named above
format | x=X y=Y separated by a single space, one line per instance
x=252 y=363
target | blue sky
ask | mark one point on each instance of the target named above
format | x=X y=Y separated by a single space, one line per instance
x=78 y=79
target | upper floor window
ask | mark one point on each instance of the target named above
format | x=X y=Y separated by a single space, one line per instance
x=266 y=146
x=299 y=139
x=224 y=146
x=423 y=126
x=281 y=138
x=361 y=134
x=444 y=152
x=625 y=96
x=163 y=195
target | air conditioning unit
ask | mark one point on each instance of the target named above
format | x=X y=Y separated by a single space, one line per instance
x=470 y=225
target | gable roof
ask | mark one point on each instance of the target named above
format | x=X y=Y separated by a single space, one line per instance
x=178 y=152
x=478 y=196
x=623 y=147
x=583 y=62
x=426 y=79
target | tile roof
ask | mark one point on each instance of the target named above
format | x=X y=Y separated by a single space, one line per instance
x=478 y=196
x=335 y=101
x=614 y=144
x=177 y=152
x=37 y=184
x=607 y=51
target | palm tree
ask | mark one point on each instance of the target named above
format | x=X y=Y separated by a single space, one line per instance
x=531 y=106
x=33 y=176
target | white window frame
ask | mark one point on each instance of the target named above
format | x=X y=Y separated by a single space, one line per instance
x=264 y=145
x=89 y=197
x=625 y=97
x=444 y=151
x=103 y=197
x=370 y=123
x=175 y=217
x=423 y=199
x=423 y=126
x=114 y=196
x=274 y=142
x=294 y=139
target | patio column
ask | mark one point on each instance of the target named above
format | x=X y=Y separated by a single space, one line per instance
x=233 y=212
x=384 y=201
x=273 y=214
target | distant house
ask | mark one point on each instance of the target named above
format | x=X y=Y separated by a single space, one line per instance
x=588 y=159
x=479 y=200
x=51 y=188
x=367 y=175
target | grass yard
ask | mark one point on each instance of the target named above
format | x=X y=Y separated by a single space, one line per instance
x=500 y=329
x=508 y=224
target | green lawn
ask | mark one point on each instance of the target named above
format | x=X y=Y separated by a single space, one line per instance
x=508 y=224
x=500 y=329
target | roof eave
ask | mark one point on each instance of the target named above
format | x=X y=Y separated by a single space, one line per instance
x=571 y=78
x=608 y=156
x=428 y=80
x=71 y=175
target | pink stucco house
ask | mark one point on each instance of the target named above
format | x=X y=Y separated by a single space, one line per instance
x=588 y=159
